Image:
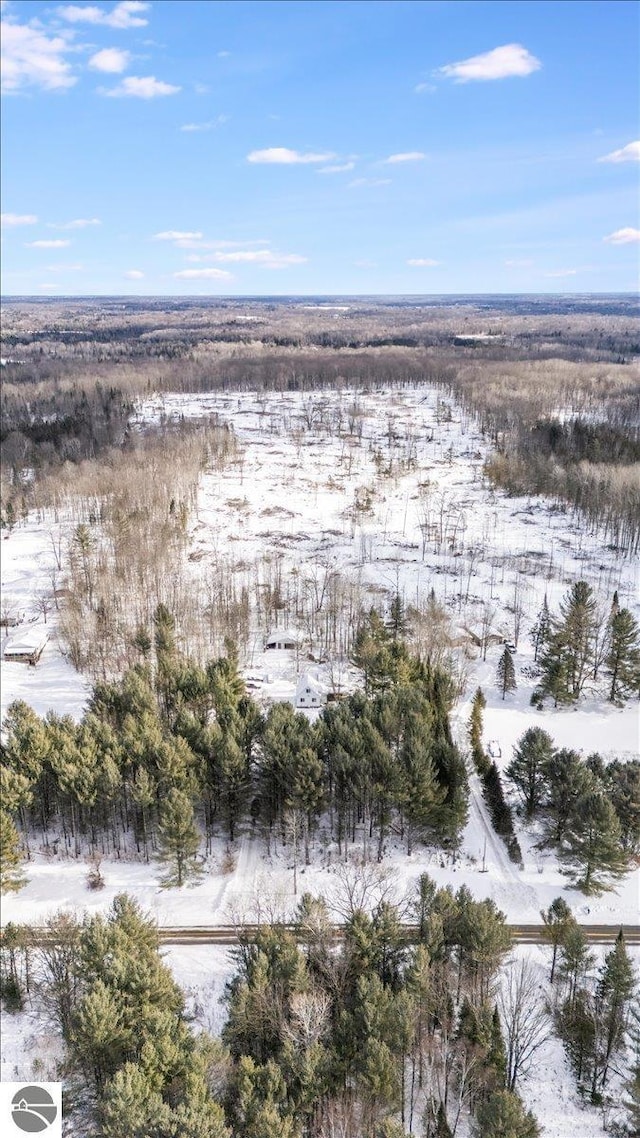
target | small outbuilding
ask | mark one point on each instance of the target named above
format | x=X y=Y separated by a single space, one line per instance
x=283 y=641
x=27 y=647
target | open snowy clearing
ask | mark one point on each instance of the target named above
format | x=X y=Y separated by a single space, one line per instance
x=295 y=499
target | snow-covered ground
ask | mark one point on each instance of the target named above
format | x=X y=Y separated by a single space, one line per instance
x=290 y=502
x=429 y=521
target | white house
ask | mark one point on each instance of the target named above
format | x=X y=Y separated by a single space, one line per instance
x=310 y=691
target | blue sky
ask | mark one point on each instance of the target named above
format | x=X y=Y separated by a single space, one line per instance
x=321 y=147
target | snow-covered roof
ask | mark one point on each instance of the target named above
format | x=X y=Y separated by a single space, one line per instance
x=279 y=635
x=27 y=641
x=312 y=682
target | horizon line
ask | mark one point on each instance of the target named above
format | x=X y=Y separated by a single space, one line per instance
x=296 y=295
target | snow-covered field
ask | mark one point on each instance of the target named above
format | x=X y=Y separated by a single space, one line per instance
x=431 y=522
x=385 y=489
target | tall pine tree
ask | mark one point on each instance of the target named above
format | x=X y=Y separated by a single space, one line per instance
x=506 y=673
x=622 y=664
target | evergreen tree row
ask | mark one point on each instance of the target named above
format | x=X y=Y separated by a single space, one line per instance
x=596 y=1011
x=499 y=808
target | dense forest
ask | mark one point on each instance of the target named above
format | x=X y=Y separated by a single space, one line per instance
x=172 y=743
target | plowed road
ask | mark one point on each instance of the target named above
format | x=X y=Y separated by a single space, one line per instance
x=231 y=934
x=522 y=934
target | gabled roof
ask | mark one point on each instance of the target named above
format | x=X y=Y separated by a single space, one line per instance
x=28 y=641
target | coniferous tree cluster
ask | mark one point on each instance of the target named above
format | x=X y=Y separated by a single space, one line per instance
x=595 y=1011
x=583 y=649
x=134 y=1067
x=173 y=748
x=590 y=812
x=374 y=1038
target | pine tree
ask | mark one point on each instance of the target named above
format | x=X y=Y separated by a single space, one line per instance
x=179 y=839
x=422 y=795
x=101 y=1037
x=541 y=629
x=503 y=1115
x=11 y=876
x=592 y=843
x=622 y=663
x=615 y=988
x=397 y=618
x=571 y=646
x=132 y=1108
x=568 y=779
x=497 y=1053
x=199 y=1119
x=478 y=755
x=622 y=782
x=557 y=920
x=555 y=674
x=506 y=673
x=528 y=768
x=575 y=959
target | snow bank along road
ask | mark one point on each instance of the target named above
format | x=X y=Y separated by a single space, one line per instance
x=231 y=934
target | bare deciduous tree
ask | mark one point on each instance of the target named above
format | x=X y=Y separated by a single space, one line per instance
x=525 y=1019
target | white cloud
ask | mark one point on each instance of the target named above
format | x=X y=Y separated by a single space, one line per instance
x=561 y=273
x=178 y=235
x=201 y=274
x=194 y=127
x=267 y=258
x=628 y=236
x=423 y=262
x=339 y=168
x=12 y=219
x=77 y=223
x=522 y=264
x=133 y=275
x=628 y=153
x=424 y=88
x=55 y=244
x=512 y=59
x=282 y=156
x=408 y=156
x=111 y=60
x=127 y=14
x=140 y=87
x=203 y=246
x=32 y=59
x=368 y=182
